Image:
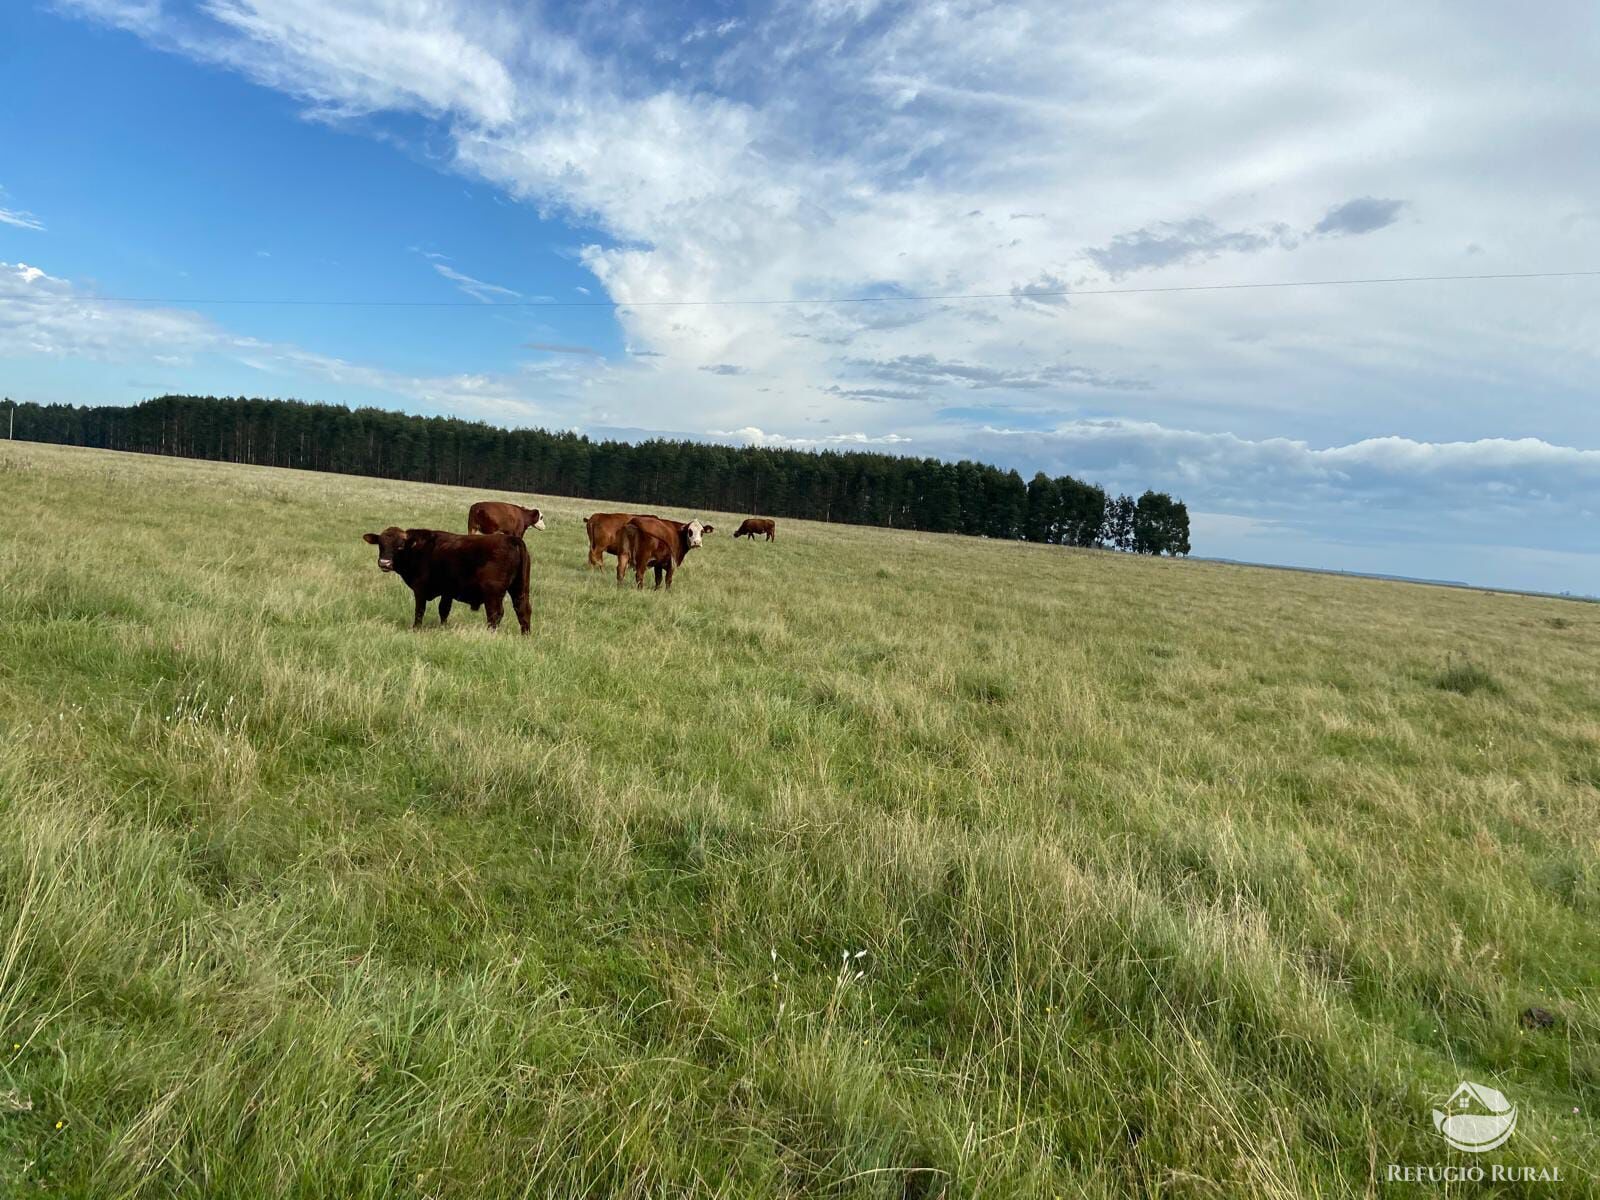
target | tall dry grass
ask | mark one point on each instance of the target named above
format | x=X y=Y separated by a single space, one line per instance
x=862 y=864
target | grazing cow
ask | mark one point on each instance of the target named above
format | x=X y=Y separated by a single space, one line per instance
x=475 y=568
x=754 y=525
x=654 y=543
x=497 y=516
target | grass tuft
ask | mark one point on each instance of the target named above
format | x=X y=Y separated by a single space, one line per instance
x=1465 y=677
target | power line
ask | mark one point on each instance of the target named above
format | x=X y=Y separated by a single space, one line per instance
x=1019 y=294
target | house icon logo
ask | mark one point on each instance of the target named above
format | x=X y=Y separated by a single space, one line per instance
x=1476 y=1118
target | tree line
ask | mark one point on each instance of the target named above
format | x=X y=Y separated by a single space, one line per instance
x=819 y=485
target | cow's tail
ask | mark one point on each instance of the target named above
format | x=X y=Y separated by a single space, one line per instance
x=524 y=570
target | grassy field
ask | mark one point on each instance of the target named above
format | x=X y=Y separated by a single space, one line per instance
x=863 y=863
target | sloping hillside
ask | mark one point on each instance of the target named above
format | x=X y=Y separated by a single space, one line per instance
x=861 y=864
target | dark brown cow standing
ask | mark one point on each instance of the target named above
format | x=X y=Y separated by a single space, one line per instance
x=499 y=516
x=475 y=568
x=649 y=542
x=751 y=526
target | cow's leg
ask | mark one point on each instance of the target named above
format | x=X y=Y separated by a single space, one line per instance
x=422 y=608
x=494 y=607
x=658 y=574
x=770 y=535
x=669 y=575
x=520 y=601
x=622 y=566
x=444 y=608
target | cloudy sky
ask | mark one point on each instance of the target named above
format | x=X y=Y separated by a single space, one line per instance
x=562 y=178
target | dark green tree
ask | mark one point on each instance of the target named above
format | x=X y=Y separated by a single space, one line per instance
x=860 y=488
x=1160 y=525
x=1118 y=530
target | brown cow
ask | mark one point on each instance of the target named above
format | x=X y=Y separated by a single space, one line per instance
x=605 y=533
x=754 y=525
x=654 y=543
x=498 y=516
x=475 y=568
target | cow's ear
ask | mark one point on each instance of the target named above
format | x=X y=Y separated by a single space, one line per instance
x=370 y=538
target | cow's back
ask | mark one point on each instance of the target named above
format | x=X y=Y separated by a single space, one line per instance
x=496 y=516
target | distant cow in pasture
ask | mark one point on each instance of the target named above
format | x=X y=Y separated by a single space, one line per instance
x=649 y=542
x=499 y=516
x=751 y=526
x=475 y=568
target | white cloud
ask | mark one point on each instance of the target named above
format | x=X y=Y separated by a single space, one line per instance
x=42 y=314
x=751 y=436
x=1223 y=463
x=928 y=370
x=935 y=147
x=951 y=147
x=476 y=288
x=1520 y=491
x=18 y=219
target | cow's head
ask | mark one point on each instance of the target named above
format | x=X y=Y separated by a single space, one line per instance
x=535 y=518
x=389 y=543
x=691 y=534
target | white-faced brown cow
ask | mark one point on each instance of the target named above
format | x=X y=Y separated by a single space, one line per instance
x=501 y=516
x=650 y=542
x=605 y=532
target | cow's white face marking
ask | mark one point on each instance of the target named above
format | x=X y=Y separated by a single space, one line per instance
x=539 y=524
x=693 y=530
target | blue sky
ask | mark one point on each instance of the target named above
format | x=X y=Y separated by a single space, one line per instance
x=480 y=152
